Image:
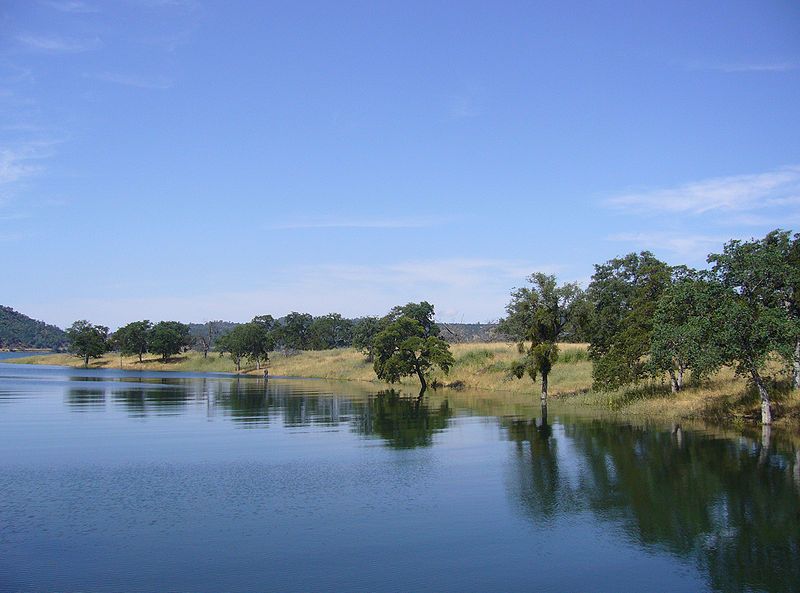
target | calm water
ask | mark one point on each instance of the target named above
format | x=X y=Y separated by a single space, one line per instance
x=113 y=481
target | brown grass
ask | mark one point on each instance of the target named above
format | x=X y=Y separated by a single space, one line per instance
x=482 y=369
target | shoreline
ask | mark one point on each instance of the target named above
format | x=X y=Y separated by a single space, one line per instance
x=723 y=400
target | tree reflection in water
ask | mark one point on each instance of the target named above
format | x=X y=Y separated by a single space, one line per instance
x=733 y=506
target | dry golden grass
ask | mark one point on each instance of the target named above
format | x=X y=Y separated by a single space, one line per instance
x=188 y=362
x=483 y=370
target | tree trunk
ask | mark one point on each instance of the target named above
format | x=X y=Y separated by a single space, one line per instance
x=258 y=364
x=766 y=411
x=681 y=371
x=544 y=389
x=673 y=381
x=140 y=355
x=796 y=374
x=423 y=383
x=85 y=361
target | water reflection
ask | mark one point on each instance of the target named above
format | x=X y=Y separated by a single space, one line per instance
x=403 y=422
x=731 y=506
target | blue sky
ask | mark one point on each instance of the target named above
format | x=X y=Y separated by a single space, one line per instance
x=192 y=160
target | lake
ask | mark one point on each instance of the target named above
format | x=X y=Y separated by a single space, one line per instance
x=121 y=481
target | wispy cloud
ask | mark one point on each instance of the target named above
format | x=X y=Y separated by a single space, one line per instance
x=132 y=80
x=74 y=6
x=734 y=193
x=463 y=107
x=462 y=289
x=686 y=245
x=734 y=67
x=57 y=45
x=388 y=223
x=17 y=163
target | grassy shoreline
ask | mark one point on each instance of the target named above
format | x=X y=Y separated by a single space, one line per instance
x=484 y=367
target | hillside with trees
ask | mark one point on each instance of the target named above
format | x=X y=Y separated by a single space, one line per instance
x=20 y=332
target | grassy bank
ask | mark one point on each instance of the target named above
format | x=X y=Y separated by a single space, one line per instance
x=484 y=368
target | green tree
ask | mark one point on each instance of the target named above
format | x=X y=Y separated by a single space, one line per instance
x=783 y=283
x=421 y=312
x=537 y=318
x=233 y=343
x=168 y=338
x=624 y=293
x=685 y=332
x=295 y=331
x=249 y=340
x=87 y=341
x=405 y=347
x=133 y=338
x=331 y=331
x=753 y=321
x=364 y=334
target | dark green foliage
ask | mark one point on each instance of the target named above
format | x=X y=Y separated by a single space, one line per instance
x=87 y=341
x=407 y=347
x=168 y=338
x=205 y=335
x=133 y=338
x=331 y=331
x=20 y=332
x=624 y=293
x=753 y=316
x=364 y=333
x=685 y=329
x=537 y=318
x=295 y=332
x=421 y=312
x=254 y=340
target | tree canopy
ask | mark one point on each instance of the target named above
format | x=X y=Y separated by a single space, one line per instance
x=754 y=321
x=536 y=318
x=624 y=293
x=168 y=338
x=134 y=338
x=407 y=347
x=87 y=341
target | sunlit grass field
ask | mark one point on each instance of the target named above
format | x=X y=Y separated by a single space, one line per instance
x=485 y=367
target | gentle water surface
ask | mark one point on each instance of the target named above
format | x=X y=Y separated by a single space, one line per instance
x=119 y=481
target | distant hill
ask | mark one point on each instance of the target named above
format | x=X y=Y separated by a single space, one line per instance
x=18 y=332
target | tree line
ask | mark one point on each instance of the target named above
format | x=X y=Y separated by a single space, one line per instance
x=644 y=320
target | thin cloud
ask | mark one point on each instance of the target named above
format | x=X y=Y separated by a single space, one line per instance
x=463 y=107
x=747 y=66
x=159 y=83
x=59 y=45
x=462 y=289
x=734 y=193
x=352 y=224
x=73 y=6
x=692 y=245
x=18 y=163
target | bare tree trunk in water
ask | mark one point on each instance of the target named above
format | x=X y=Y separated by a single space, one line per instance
x=766 y=411
x=673 y=381
x=766 y=437
x=796 y=375
x=544 y=390
x=677 y=431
